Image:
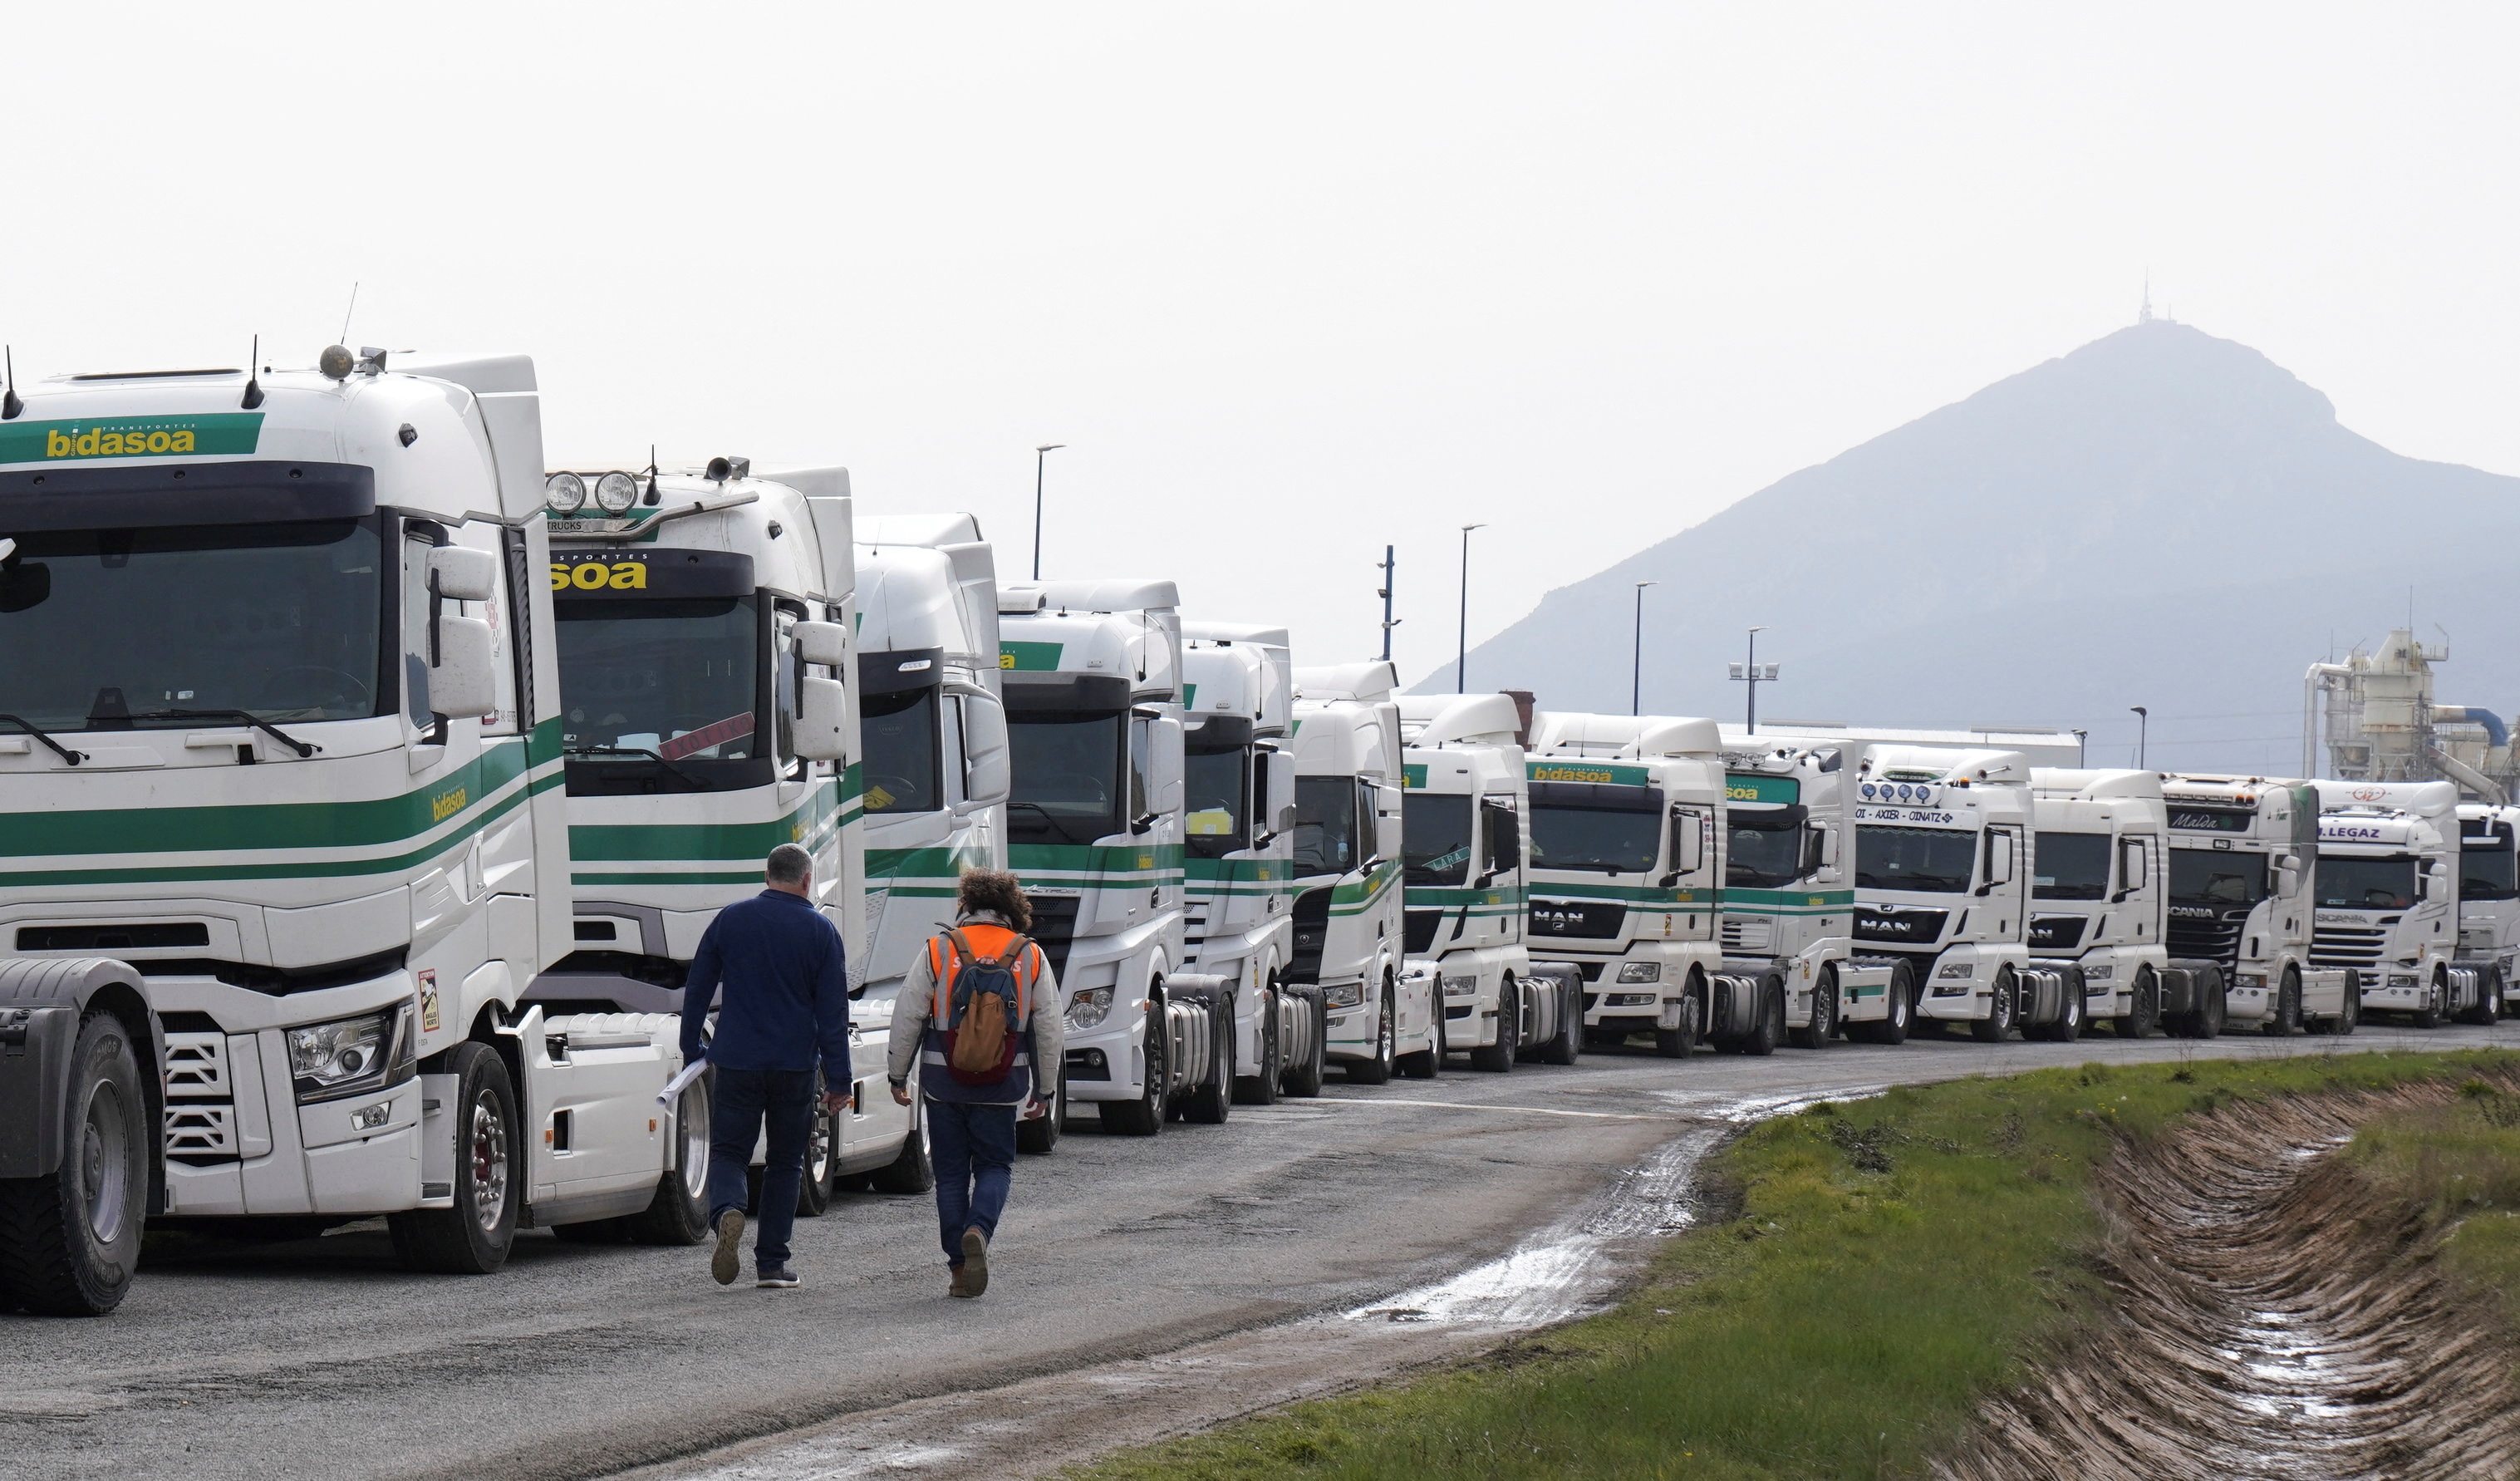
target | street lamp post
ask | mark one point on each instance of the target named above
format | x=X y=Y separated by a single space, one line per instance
x=1462 y=661
x=2143 y=736
x=1637 y=660
x=2082 y=748
x=1390 y=567
x=1040 y=456
x=1756 y=673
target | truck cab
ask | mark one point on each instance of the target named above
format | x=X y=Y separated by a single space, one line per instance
x=1348 y=924
x=1237 y=708
x=2385 y=897
x=1788 y=906
x=1465 y=811
x=2099 y=895
x=2488 y=901
x=2241 y=852
x=1092 y=671
x=1943 y=865
x=1626 y=863
x=282 y=764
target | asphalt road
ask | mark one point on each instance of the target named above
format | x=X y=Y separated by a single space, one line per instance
x=322 y=1359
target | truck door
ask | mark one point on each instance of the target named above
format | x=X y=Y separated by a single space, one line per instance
x=2005 y=873
x=1501 y=834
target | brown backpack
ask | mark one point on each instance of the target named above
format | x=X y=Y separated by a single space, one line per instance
x=980 y=1011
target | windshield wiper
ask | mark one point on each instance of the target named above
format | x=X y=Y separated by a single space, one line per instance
x=241 y=716
x=56 y=748
x=1051 y=818
x=687 y=780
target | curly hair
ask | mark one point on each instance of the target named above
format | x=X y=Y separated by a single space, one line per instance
x=995 y=890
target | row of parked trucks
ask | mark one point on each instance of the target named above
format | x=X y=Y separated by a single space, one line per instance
x=371 y=784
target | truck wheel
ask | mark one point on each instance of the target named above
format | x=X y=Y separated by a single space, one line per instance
x=2068 y=1026
x=1996 y=1026
x=1378 y=1070
x=2436 y=1009
x=1497 y=1058
x=471 y=1239
x=1145 y=1116
x=1822 y=1027
x=1567 y=1045
x=1899 y=1011
x=1304 y=1080
x=1770 y=1030
x=2487 y=1007
x=814 y=1190
x=2286 y=1021
x=1262 y=1089
x=678 y=1215
x=1040 y=1137
x=912 y=1169
x=1211 y=1102
x=2351 y=1017
x=2143 y=1013
x=70 y=1241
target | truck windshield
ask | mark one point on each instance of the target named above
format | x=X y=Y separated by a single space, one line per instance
x=1326 y=840
x=277 y=619
x=2367 y=884
x=2489 y=875
x=904 y=757
x=2211 y=877
x=1067 y=777
x=1613 y=840
x=649 y=679
x=1435 y=838
x=1938 y=860
x=1218 y=790
x=2072 y=866
x=1762 y=858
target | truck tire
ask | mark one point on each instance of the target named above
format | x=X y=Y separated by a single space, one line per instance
x=2286 y=1021
x=2068 y=1025
x=1681 y=1041
x=1145 y=1116
x=1304 y=1081
x=2213 y=1011
x=1566 y=1046
x=1770 y=1031
x=816 y=1189
x=1210 y=1103
x=1996 y=1026
x=472 y=1238
x=1900 y=999
x=1262 y=1089
x=1822 y=1027
x=912 y=1169
x=70 y=1241
x=2143 y=1010
x=2487 y=1007
x=2436 y=1009
x=1497 y=1058
x=678 y=1215
x=1039 y=1138
x=1378 y=1070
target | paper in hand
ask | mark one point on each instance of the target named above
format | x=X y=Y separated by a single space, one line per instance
x=676 y=1086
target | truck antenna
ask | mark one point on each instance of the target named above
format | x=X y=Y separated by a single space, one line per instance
x=345 y=315
x=10 y=406
x=652 y=473
x=252 y=381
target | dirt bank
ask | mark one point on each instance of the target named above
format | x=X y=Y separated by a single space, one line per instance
x=2277 y=1321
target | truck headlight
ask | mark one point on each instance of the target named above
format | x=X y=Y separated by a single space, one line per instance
x=2402 y=978
x=2250 y=979
x=2098 y=974
x=1460 y=986
x=1641 y=971
x=351 y=1056
x=1089 y=1006
x=1956 y=969
x=1344 y=995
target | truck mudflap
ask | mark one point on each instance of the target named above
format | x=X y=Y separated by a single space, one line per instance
x=41 y=1004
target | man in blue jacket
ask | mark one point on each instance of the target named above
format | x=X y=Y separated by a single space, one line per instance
x=785 y=983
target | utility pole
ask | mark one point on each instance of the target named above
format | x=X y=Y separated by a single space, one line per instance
x=2142 y=737
x=1756 y=675
x=1388 y=621
x=1040 y=456
x=1637 y=660
x=1462 y=661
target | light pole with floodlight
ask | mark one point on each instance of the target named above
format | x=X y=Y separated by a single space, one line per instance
x=1756 y=673
x=1462 y=661
x=2143 y=736
x=1637 y=658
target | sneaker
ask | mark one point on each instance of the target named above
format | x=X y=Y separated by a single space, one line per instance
x=776 y=1277
x=728 y=1261
x=975 y=1262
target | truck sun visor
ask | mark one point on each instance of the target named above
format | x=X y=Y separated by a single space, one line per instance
x=252 y=492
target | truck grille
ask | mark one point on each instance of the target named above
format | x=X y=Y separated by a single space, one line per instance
x=1753 y=934
x=1899 y=927
x=2206 y=935
x=1054 y=928
x=2347 y=946
x=1586 y=920
x=1195 y=924
x=2057 y=932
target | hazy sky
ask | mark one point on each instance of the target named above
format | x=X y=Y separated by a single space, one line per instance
x=1292 y=281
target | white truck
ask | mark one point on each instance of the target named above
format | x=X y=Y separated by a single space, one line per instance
x=1464 y=815
x=2242 y=850
x=2488 y=901
x=1943 y=863
x=1626 y=864
x=706 y=622
x=1237 y=709
x=283 y=761
x=1788 y=906
x=1092 y=673
x=1348 y=922
x=2386 y=899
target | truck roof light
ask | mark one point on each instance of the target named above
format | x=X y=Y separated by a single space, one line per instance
x=564 y=493
x=615 y=493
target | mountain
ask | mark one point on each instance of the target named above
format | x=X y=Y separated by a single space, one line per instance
x=2160 y=518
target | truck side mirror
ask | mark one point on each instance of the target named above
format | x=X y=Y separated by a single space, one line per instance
x=464 y=682
x=460 y=573
x=988 y=773
x=1164 y=765
x=822 y=719
x=826 y=643
x=2288 y=879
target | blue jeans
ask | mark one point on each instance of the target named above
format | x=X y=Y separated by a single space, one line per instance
x=741 y=1102
x=972 y=1149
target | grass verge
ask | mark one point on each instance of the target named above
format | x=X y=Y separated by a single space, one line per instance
x=2459 y=1163
x=1877 y=1267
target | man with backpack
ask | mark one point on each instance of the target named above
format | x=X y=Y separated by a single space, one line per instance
x=980 y=1020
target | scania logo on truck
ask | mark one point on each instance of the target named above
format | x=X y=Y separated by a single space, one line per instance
x=214 y=432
